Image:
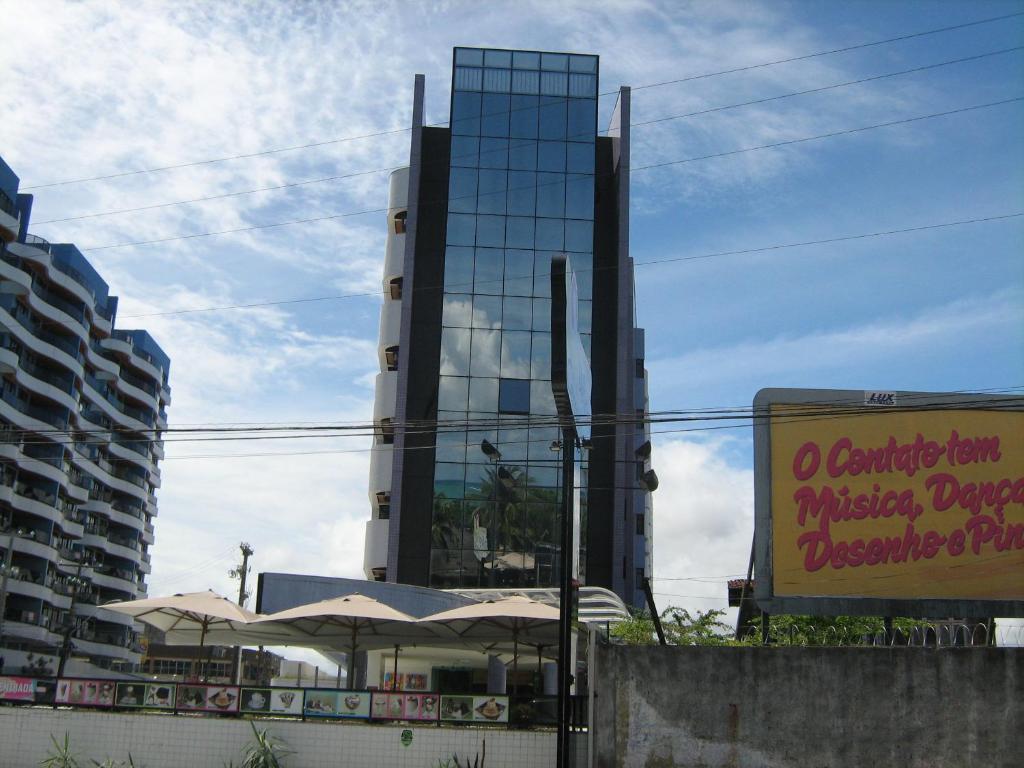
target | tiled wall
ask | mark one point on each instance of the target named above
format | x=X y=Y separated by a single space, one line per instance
x=168 y=741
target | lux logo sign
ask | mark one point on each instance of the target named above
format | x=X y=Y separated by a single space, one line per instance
x=879 y=398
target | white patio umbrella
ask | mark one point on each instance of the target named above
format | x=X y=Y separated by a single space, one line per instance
x=196 y=618
x=493 y=622
x=351 y=623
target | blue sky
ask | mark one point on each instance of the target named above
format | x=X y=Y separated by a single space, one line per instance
x=95 y=88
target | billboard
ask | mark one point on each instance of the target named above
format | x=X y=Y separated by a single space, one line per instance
x=889 y=503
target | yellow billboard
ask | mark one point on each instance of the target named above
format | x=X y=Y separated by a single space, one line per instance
x=896 y=501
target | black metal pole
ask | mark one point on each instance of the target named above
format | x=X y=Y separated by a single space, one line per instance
x=65 y=646
x=565 y=608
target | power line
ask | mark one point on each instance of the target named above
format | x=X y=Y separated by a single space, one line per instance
x=651 y=262
x=665 y=118
x=377 y=134
x=773 y=145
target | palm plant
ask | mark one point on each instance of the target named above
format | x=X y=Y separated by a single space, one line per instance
x=265 y=751
x=61 y=756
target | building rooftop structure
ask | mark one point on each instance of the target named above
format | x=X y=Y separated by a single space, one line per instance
x=82 y=416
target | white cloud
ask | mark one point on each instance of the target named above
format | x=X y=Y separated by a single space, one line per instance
x=703 y=522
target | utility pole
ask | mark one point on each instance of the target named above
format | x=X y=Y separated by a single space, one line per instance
x=240 y=573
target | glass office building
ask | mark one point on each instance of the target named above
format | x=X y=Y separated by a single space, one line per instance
x=469 y=496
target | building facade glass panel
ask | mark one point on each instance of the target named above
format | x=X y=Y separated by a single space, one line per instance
x=534 y=196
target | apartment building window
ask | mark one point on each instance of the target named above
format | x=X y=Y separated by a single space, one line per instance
x=640 y=524
x=400 y=219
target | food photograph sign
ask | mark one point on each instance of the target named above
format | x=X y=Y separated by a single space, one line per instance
x=889 y=503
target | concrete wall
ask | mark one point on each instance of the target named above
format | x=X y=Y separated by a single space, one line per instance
x=808 y=707
x=167 y=741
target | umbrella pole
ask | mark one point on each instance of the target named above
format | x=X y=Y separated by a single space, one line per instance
x=202 y=642
x=540 y=670
x=394 y=675
x=515 y=662
x=351 y=666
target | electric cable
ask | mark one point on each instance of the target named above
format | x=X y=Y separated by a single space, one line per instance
x=428 y=163
x=773 y=145
x=377 y=134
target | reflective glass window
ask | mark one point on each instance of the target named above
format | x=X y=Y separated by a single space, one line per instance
x=583 y=266
x=494 y=115
x=492 y=191
x=476 y=436
x=465 y=114
x=483 y=394
x=550 y=196
x=523 y=117
x=522 y=193
x=579 y=85
x=579 y=197
x=554 y=61
x=582 y=119
x=451 y=445
x=552 y=118
x=520 y=232
x=547 y=476
x=486 y=312
x=455 y=351
x=449 y=479
x=584 y=316
x=525 y=60
x=579 y=158
x=579 y=235
x=518 y=272
x=550 y=234
x=462 y=190
x=542 y=274
x=540 y=355
x=457 y=310
x=554 y=83
x=515 y=354
x=452 y=393
x=541 y=400
x=458 y=269
x=490 y=233
x=472 y=57
x=501 y=59
x=514 y=397
x=525 y=82
x=493 y=153
x=486 y=353
x=551 y=156
x=517 y=314
x=468 y=79
x=541 y=439
x=583 y=64
x=522 y=154
x=499 y=80
x=465 y=151
x=542 y=314
x=489 y=268
x=461 y=229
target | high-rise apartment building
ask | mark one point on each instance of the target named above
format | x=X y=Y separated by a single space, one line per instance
x=82 y=413
x=464 y=478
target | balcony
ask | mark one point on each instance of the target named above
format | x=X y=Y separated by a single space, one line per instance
x=390 y=328
x=385 y=395
x=375 y=548
x=381 y=459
